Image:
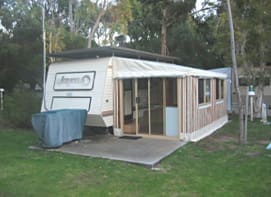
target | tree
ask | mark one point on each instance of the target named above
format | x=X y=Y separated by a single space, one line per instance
x=115 y=22
x=102 y=7
x=19 y=43
x=252 y=43
x=255 y=28
x=158 y=17
x=172 y=11
x=242 y=138
x=252 y=29
x=99 y=20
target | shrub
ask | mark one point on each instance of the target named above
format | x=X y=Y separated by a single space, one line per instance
x=19 y=107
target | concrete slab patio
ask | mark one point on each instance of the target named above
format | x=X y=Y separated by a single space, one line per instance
x=145 y=151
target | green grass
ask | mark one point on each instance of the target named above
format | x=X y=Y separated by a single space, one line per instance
x=215 y=166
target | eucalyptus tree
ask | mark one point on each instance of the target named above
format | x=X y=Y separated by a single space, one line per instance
x=242 y=138
x=255 y=44
x=153 y=21
x=252 y=26
x=172 y=11
x=252 y=19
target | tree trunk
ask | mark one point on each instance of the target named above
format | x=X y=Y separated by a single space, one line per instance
x=94 y=28
x=71 y=19
x=258 y=100
x=242 y=138
x=164 y=32
x=260 y=89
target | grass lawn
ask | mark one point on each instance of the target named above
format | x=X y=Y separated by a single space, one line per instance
x=215 y=166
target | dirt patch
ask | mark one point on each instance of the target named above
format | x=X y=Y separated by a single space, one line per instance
x=253 y=154
x=225 y=138
x=87 y=177
x=263 y=142
x=219 y=143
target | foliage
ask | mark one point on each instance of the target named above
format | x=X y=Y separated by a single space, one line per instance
x=152 y=21
x=19 y=106
x=67 y=25
x=215 y=166
x=188 y=38
x=252 y=25
x=194 y=46
x=21 y=48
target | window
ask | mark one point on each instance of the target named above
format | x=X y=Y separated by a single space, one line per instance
x=127 y=84
x=207 y=90
x=219 y=89
x=204 y=91
x=201 y=91
x=171 y=91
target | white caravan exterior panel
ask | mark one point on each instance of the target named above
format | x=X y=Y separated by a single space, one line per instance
x=78 y=84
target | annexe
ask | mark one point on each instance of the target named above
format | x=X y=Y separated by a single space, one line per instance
x=138 y=93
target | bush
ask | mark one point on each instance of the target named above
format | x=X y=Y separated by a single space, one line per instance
x=19 y=107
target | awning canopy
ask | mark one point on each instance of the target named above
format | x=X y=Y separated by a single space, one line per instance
x=133 y=68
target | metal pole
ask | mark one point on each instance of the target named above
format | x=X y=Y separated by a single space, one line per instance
x=251 y=108
x=44 y=46
x=246 y=115
x=1 y=99
x=44 y=54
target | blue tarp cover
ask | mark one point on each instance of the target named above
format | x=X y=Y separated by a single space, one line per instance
x=59 y=126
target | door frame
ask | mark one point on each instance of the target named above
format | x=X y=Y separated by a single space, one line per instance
x=120 y=107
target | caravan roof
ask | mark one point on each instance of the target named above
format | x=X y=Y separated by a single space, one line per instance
x=138 y=64
x=113 y=51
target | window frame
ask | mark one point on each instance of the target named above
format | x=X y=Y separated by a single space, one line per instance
x=219 y=88
x=205 y=99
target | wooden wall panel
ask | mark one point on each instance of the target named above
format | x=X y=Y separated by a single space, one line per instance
x=204 y=115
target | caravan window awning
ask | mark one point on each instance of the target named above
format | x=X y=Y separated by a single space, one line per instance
x=132 y=68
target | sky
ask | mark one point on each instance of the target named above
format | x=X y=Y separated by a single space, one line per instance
x=199 y=6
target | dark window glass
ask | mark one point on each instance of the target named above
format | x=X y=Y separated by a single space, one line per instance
x=217 y=88
x=222 y=89
x=201 y=91
x=208 y=90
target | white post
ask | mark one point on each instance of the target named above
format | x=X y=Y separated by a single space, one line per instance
x=251 y=108
x=246 y=113
x=251 y=93
x=2 y=99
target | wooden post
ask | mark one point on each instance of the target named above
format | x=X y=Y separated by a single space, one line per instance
x=121 y=104
x=136 y=105
x=180 y=108
x=115 y=113
x=149 y=104
x=164 y=106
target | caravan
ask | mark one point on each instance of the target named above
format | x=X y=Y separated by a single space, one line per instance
x=138 y=93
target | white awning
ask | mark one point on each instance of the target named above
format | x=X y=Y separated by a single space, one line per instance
x=124 y=68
